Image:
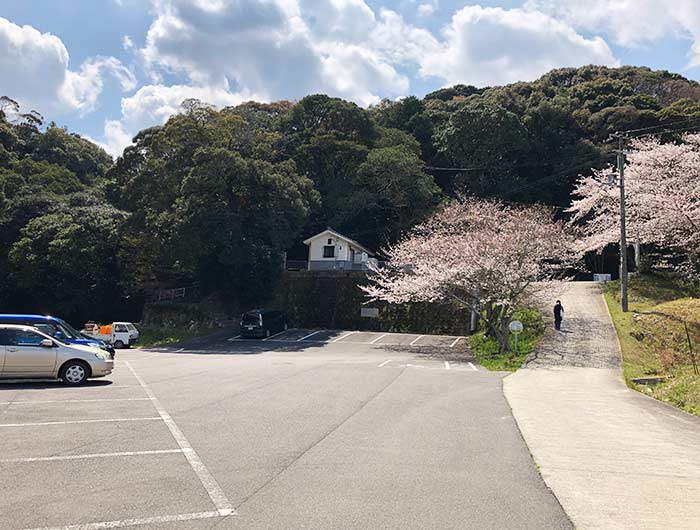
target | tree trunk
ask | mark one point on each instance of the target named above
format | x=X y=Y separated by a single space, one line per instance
x=490 y=320
x=503 y=333
x=474 y=323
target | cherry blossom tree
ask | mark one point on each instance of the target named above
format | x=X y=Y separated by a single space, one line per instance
x=662 y=199
x=480 y=248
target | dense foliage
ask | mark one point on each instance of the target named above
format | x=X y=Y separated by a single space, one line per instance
x=59 y=235
x=216 y=197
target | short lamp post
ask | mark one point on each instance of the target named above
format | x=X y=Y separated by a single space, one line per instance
x=516 y=328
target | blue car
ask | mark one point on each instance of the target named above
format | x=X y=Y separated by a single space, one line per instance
x=57 y=328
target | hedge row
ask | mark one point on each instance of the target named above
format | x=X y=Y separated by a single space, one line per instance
x=334 y=301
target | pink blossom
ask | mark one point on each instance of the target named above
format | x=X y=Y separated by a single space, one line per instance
x=662 y=198
x=475 y=245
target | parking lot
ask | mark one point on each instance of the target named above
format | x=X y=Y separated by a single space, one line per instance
x=309 y=429
x=326 y=336
x=107 y=451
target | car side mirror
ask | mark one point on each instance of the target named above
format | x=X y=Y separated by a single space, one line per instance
x=46 y=343
x=58 y=334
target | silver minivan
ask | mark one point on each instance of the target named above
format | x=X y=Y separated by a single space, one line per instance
x=26 y=352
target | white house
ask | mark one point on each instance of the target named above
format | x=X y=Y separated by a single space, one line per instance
x=330 y=250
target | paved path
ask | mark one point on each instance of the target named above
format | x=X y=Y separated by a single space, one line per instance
x=614 y=458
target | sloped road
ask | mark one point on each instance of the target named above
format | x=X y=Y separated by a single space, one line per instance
x=614 y=458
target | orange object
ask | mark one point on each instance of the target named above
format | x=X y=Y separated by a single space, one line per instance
x=106 y=330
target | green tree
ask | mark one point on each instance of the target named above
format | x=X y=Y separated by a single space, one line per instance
x=235 y=217
x=489 y=142
x=390 y=193
x=65 y=262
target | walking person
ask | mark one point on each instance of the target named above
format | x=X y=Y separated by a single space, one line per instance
x=558 y=310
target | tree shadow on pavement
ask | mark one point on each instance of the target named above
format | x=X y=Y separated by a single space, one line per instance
x=443 y=353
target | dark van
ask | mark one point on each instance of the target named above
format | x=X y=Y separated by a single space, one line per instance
x=262 y=323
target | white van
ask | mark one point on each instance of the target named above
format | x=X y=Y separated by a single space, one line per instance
x=119 y=334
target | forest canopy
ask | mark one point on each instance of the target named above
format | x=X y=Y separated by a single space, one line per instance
x=216 y=197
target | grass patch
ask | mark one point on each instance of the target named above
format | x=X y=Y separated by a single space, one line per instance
x=485 y=349
x=162 y=336
x=682 y=391
x=653 y=338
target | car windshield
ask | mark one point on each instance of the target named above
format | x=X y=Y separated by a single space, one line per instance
x=67 y=329
x=47 y=329
x=131 y=327
x=251 y=318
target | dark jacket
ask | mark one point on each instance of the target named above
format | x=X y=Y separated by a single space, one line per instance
x=558 y=310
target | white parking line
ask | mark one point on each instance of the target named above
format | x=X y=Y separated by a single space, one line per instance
x=106 y=420
x=419 y=337
x=83 y=389
x=216 y=494
x=378 y=338
x=276 y=334
x=72 y=401
x=385 y=363
x=343 y=336
x=455 y=341
x=91 y=455
x=447 y=365
x=473 y=367
x=309 y=335
x=234 y=338
x=106 y=525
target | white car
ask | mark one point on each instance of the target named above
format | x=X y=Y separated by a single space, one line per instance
x=26 y=352
x=119 y=334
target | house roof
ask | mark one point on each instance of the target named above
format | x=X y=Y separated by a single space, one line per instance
x=330 y=231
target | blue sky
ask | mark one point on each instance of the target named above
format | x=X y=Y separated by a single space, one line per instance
x=107 y=68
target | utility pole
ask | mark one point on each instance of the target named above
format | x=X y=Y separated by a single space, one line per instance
x=623 y=229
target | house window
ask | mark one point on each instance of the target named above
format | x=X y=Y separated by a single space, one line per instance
x=330 y=241
x=329 y=251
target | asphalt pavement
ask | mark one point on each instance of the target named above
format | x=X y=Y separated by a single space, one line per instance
x=333 y=431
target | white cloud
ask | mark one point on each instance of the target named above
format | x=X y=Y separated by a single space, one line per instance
x=426 y=10
x=355 y=72
x=487 y=46
x=337 y=20
x=401 y=42
x=128 y=44
x=276 y=48
x=631 y=23
x=82 y=88
x=34 y=71
x=153 y=105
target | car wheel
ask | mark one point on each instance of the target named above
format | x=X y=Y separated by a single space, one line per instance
x=118 y=345
x=74 y=373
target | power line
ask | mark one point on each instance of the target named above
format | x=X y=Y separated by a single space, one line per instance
x=552 y=176
x=681 y=122
x=584 y=162
x=524 y=164
x=666 y=131
x=475 y=168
